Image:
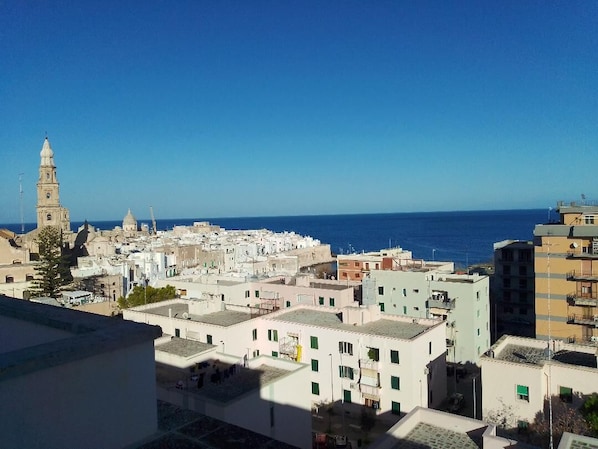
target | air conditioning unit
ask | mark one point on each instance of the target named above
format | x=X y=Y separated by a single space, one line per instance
x=594 y=339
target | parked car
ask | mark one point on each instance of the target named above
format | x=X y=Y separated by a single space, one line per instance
x=455 y=402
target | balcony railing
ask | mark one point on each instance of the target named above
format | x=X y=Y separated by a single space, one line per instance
x=368 y=364
x=586 y=320
x=582 y=275
x=441 y=304
x=368 y=390
x=583 y=299
x=580 y=254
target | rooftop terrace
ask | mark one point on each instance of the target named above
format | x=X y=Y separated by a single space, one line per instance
x=217 y=380
x=382 y=327
x=222 y=318
x=432 y=437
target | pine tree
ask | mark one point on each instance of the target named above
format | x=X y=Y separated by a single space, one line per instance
x=52 y=269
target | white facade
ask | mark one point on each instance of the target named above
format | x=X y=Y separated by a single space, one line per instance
x=340 y=345
x=461 y=300
x=517 y=376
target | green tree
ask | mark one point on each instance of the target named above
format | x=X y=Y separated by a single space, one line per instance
x=52 y=269
x=589 y=410
x=148 y=295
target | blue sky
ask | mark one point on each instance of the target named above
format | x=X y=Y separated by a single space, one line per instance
x=237 y=108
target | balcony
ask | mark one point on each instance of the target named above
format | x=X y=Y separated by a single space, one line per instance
x=447 y=304
x=368 y=364
x=580 y=254
x=582 y=275
x=585 y=320
x=582 y=299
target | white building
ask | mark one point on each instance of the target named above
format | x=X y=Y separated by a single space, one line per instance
x=266 y=395
x=425 y=428
x=517 y=376
x=356 y=356
x=72 y=379
x=427 y=291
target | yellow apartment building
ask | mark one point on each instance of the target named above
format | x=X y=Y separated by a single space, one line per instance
x=566 y=274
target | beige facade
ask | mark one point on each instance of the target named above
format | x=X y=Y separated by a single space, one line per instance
x=566 y=270
x=49 y=210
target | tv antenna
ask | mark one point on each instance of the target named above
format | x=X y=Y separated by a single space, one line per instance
x=21 y=202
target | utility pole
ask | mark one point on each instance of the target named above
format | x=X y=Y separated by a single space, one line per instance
x=21 y=202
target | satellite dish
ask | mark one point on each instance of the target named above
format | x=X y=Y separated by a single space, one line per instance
x=574 y=245
x=185 y=315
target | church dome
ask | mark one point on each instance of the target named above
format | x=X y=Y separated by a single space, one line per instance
x=47 y=154
x=129 y=222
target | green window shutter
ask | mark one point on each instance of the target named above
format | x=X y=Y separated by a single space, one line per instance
x=394 y=356
x=331 y=302
x=381 y=307
x=522 y=390
x=347 y=396
x=396 y=408
x=313 y=342
x=394 y=383
x=314 y=365
x=315 y=388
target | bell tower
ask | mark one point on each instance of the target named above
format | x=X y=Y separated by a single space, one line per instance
x=49 y=210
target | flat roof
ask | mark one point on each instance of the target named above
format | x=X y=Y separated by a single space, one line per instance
x=183 y=347
x=221 y=318
x=538 y=356
x=333 y=320
x=425 y=435
x=187 y=429
x=38 y=336
x=222 y=381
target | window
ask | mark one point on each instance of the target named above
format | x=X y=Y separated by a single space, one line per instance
x=288 y=303
x=257 y=293
x=523 y=392
x=506 y=270
x=522 y=311
x=522 y=270
x=177 y=332
x=272 y=335
x=49 y=217
x=346 y=372
x=314 y=365
x=477 y=295
x=404 y=310
x=331 y=302
x=522 y=426
x=381 y=291
x=10 y=279
x=345 y=347
x=430 y=348
x=28 y=277
x=394 y=356
x=506 y=283
x=566 y=394
x=374 y=354
x=274 y=354
x=381 y=307
x=395 y=383
x=315 y=388
x=377 y=266
x=321 y=300
x=313 y=342
x=347 y=396
x=48 y=195
x=404 y=292
x=478 y=331
x=589 y=219
x=256 y=353
x=522 y=284
x=357 y=264
x=254 y=334
x=395 y=408
x=209 y=339
x=247 y=293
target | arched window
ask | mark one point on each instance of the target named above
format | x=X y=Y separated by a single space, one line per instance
x=49 y=217
x=47 y=175
x=10 y=279
x=48 y=195
x=28 y=277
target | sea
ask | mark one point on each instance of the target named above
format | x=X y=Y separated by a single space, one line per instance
x=465 y=238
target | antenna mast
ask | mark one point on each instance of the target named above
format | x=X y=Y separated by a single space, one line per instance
x=21 y=202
